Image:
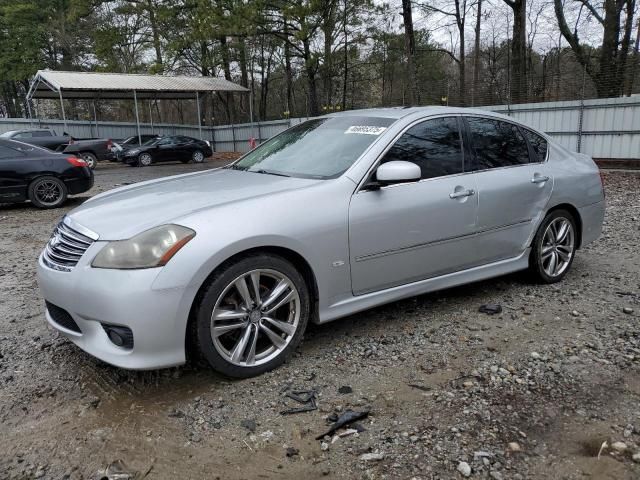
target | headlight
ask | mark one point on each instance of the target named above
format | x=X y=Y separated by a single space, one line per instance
x=135 y=151
x=153 y=248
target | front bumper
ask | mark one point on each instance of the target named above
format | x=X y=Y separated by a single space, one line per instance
x=92 y=296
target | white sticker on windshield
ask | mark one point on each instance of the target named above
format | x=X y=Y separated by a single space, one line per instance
x=365 y=130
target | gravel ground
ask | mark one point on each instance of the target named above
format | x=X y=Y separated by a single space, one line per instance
x=532 y=392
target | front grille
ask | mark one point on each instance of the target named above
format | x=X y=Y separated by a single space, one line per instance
x=65 y=247
x=62 y=317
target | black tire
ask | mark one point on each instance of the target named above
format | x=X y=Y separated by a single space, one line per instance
x=144 y=159
x=47 y=192
x=537 y=263
x=90 y=158
x=215 y=289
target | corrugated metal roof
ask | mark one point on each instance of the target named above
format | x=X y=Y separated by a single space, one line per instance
x=120 y=85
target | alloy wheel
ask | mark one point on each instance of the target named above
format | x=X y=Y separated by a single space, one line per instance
x=557 y=247
x=198 y=156
x=255 y=317
x=48 y=192
x=145 y=159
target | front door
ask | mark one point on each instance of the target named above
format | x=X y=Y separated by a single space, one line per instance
x=407 y=232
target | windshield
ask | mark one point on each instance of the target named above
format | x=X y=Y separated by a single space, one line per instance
x=321 y=148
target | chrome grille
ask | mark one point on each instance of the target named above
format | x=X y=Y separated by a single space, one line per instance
x=67 y=245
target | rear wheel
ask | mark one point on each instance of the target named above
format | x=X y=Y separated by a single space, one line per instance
x=90 y=158
x=47 y=192
x=554 y=247
x=144 y=159
x=252 y=316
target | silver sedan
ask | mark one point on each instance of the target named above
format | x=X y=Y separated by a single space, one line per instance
x=333 y=216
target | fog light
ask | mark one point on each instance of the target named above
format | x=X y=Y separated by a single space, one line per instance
x=120 y=336
x=116 y=338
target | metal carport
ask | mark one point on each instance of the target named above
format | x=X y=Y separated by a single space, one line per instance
x=58 y=85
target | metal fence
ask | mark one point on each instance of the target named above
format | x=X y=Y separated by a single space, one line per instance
x=603 y=128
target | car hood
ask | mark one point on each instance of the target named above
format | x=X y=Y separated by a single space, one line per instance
x=127 y=211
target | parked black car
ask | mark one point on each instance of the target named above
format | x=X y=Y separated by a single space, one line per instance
x=166 y=149
x=28 y=172
x=119 y=146
x=90 y=149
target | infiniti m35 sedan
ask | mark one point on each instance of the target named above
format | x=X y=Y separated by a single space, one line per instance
x=333 y=216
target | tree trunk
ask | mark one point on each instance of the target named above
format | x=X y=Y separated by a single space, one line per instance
x=636 y=62
x=157 y=46
x=476 y=56
x=311 y=78
x=410 y=51
x=345 y=73
x=518 y=89
x=608 y=82
x=625 y=46
x=244 y=75
x=462 y=92
x=226 y=63
x=287 y=71
x=328 y=27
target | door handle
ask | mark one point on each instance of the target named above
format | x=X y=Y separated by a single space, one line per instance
x=539 y=179
x=462 y=193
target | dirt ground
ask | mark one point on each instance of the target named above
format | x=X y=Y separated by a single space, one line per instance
x=532 y=392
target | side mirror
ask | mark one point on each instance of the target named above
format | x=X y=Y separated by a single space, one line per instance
x=397 y=172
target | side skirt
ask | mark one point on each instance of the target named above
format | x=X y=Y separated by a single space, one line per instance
x=354 y=304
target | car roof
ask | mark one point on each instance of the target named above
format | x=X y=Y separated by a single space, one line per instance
x=400 y=112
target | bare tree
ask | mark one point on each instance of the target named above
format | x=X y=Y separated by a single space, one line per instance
x=410 y=52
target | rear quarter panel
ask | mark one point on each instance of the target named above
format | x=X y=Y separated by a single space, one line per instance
x=577 y=182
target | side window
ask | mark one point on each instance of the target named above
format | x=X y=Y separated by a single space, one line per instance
x=539 y=145
x=23 y=135
x=166 y=141
x=41 y=133
x=434 y=145
x=497 y=143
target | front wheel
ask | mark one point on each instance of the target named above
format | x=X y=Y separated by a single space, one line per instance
x=554 y=247
x=144 y=160
x=47 y=192
x=252 y=316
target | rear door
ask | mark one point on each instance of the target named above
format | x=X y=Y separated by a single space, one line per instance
x=514 y=185
x=185 y=148
x=407 y=232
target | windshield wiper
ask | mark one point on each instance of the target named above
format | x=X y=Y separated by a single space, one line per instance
x=235 y=167
x=268 y=172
